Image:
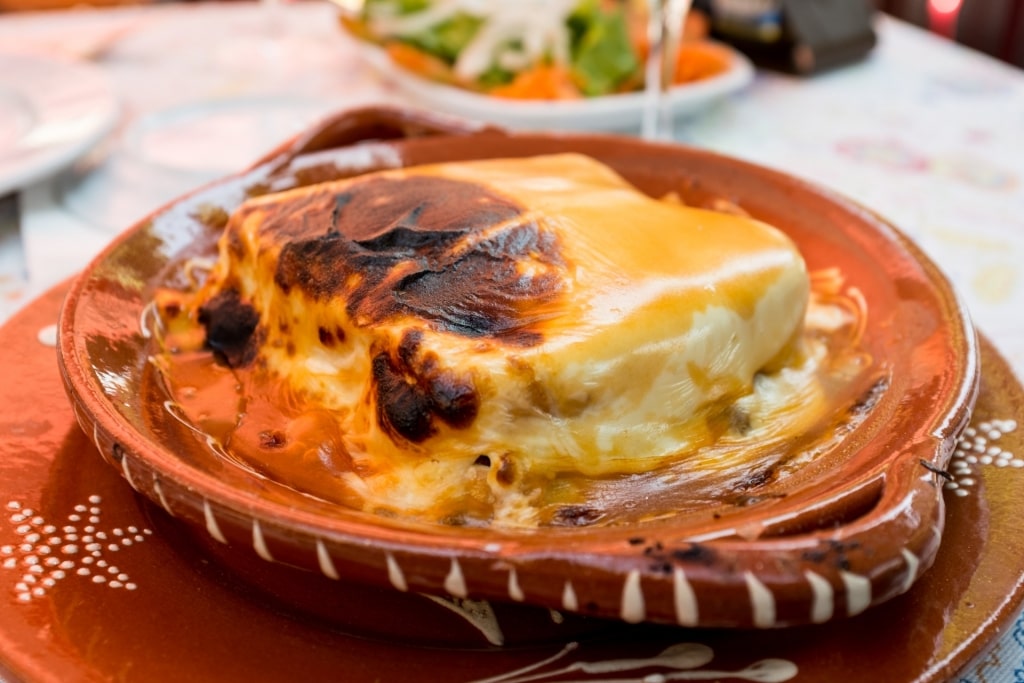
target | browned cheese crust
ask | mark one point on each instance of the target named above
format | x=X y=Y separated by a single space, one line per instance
x=458 y=257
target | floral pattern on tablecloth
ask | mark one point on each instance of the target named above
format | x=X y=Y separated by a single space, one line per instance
x=1004 y=663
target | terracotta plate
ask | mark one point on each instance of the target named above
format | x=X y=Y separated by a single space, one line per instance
x=120 y=593
x=853 y=528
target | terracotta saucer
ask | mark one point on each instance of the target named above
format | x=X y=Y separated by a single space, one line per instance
x=853 y=528
x=99 y=584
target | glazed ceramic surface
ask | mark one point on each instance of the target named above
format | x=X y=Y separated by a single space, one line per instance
x=98 y=583
x=854 y=528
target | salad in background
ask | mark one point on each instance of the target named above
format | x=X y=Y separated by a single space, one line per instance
x=530 y=49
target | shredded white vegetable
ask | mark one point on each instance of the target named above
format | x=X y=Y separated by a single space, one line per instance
x=513 y=34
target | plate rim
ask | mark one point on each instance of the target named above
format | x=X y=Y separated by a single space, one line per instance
x=42 y=163
x=232 y=504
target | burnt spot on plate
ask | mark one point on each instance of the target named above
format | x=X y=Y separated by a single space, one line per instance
x=576 y=515
x=742 y=501
x=660 y=568
x=756 y=478
x=664 y=560
x=833 y=552
x=455 y=254
x=272 y=439
x=935 y=470
x=695 y=554
x=866 y=403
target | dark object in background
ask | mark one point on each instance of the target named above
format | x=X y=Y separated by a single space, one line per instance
x=995 y=27
x=797 y=36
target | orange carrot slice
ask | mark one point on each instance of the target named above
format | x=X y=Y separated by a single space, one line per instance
x=699 y=60
x=542 y=82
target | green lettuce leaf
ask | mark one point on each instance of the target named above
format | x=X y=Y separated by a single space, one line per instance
x=447 y=39
x=402 y=6
x=602 y=54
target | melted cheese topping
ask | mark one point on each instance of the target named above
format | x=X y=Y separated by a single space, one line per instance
x=632 y=334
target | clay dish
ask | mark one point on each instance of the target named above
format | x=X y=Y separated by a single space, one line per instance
x=854 y=527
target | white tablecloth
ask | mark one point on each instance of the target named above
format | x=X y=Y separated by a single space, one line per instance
x=924 y=132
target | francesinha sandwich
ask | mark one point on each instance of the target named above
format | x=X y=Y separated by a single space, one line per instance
x=446 y=341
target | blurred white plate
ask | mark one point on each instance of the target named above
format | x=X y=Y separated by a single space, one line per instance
x=610 y=112
x=51 y=113
x=166 y=153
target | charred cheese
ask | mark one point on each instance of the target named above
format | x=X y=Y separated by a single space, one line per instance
x=462 y=334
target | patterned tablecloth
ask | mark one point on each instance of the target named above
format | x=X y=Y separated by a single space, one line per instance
x=924 y=132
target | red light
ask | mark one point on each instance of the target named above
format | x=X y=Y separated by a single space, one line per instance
x=945 y=6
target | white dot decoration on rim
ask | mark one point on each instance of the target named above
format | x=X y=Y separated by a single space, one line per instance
x=49 y=553
x=979 y=446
